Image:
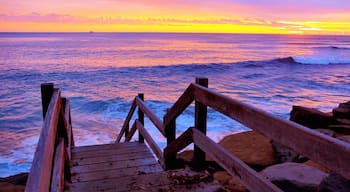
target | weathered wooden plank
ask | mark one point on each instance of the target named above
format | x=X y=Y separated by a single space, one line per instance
x=115 y=173
x=131 y=132
x=104 y=147
x=126 y=121
x=179 y=106
x=157 y=151
x=57 y=180
x=251 y=179
x=312 y=144
x=146 y=181
x=40 y=172
x=113 y=165
x=200 y=123
x=110 y=152
x=180 y=143
x=155 y=120
x=137 y=155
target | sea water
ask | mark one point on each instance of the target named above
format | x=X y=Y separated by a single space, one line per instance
x=101 y=73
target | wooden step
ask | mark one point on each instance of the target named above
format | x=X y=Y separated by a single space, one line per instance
x=115 y=167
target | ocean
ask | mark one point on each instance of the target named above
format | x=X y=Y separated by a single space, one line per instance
x=101 y=73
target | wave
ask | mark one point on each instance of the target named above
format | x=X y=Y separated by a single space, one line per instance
x=333 y=47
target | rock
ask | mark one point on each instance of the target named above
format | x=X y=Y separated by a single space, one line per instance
x=285 y=154
x=185 y=155
x=4 y=186
x=342 y=111
x=291 y=177
x=187 y=180
x=250 y=147
x=229 y=182
x=345 y=138
x=334 y=183
x=311 y=118
x=19 y=179
x=342 y=121
x=343 y=129
x=317 y=166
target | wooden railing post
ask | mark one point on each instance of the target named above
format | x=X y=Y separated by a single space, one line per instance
x=141 y=116
x=46 y=94
x=200 y=123
x=170 y=133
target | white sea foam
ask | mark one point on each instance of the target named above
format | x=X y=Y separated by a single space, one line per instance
x=325 y=56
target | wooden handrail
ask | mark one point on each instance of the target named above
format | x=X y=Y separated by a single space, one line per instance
x=157 y=151
x=50 y=166
x=138 y=124
x=57 y=184
x=312 y=144
x=180 y=105
x=180 y=143
x=126 y=122
x=39 y=178
x=233 y=165
x=148 y=112
x=131 y=132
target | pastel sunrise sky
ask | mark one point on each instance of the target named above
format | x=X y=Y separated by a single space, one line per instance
x=212 y=16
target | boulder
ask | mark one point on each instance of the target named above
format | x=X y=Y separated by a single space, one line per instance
x=342 y=121
x=334 y=183
x=19 y=179
x=311 y=118
x=285 y=154
x=342 y=111
x=291 y=177
x=252 y=148
x=342 y=129
x=229 y=182
x=4 y=186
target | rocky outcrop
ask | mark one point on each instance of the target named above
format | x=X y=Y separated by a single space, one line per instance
x=252 y=148
x=342 y=111
x=311 y=118
x=334 y=183
x=285 y=154
x=291 y=177
x=14 y=183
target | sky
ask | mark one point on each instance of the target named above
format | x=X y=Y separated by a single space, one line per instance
x=204 y=16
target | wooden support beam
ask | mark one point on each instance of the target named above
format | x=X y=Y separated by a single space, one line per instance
x=180 y=143
x=46 y=94
x=141 y=117
x=131 y=133
x=200 y=124
x=125 y=127
x=170 y=133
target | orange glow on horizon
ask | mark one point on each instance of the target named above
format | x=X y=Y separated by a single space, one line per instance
x=171 y=16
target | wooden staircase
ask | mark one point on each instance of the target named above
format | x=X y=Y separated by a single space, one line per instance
x=59 y=165
x=116 y=167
